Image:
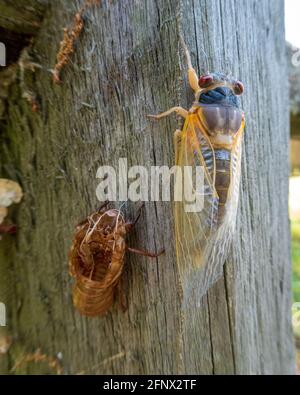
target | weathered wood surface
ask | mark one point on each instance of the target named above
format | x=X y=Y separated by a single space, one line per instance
x=128 y=63
x=22 y=16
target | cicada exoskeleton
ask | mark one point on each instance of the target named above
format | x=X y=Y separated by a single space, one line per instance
x=96 y=260
x=211 y=138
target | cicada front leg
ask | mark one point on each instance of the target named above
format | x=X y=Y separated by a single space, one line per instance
x=178 y=110
x=194 y=84
x=192 y=75
x=146 y=253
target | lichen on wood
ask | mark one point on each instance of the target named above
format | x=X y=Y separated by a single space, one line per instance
x=67 y=45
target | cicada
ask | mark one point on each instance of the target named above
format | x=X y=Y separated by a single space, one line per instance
x=96 y=260
x=211 y=137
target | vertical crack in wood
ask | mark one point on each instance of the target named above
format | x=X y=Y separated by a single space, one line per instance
x=230 y=318
x=210 y=334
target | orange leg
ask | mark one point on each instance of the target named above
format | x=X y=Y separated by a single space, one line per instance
x=194 y=84
x=129 y=227
x=192 y=75
x=179 y=111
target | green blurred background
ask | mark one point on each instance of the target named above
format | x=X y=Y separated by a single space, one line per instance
x=294 y=196
x=292 y=9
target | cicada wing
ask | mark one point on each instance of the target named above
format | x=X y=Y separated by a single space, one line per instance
x=233 y=195
x=194 y=224
x=218 y=247
x=202 y=245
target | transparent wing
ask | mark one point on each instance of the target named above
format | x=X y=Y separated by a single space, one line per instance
x=202 y=244
x=193 y=229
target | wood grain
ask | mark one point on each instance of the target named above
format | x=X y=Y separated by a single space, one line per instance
x=128 y=63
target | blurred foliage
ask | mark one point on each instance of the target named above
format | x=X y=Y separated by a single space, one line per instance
x=295 y=125
x=296 y=259
x=294 y=80
x=295 y=144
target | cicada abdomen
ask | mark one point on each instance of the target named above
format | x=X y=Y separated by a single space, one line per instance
x=96 y=260
x=211 y=138
x=221 y=120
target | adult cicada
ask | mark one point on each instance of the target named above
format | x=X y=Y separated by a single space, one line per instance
x=96 y=260
x=212 y=138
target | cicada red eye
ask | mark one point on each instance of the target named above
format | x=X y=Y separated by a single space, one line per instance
x=238 y=88
x=205 y=81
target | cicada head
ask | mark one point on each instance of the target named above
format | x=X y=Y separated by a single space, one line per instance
x=219 y=89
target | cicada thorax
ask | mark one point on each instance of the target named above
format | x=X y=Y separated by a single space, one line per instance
x=221 y=123
x=96 y=261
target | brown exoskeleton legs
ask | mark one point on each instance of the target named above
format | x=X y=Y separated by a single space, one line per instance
x=146 y=253
x=179 y=111
x=129 y=227
x=139 y=214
